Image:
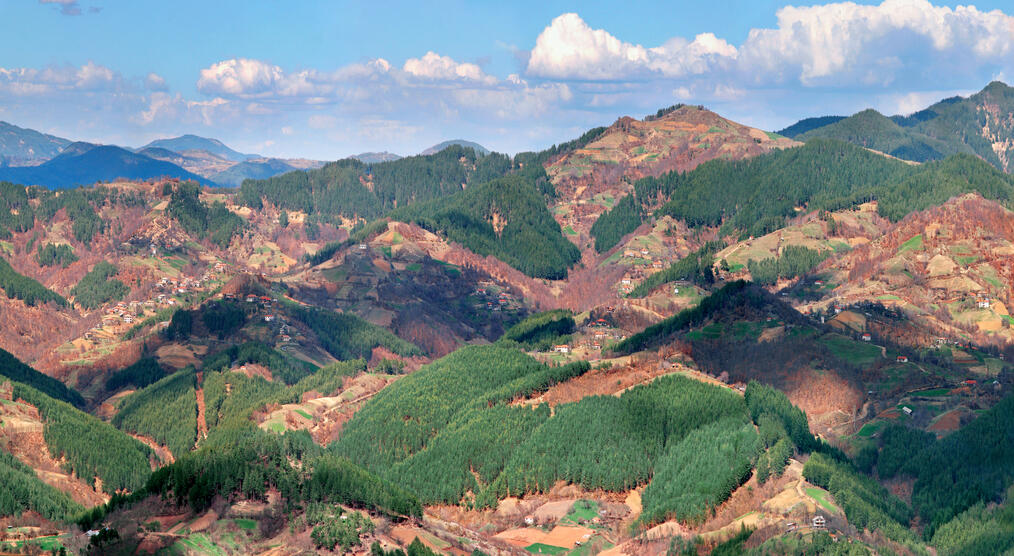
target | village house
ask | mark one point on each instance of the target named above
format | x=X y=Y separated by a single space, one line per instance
x=562 y=348
x=983 y=302
x=907 y=410
x=902 y=359
x=819 y=522
x=867 y=337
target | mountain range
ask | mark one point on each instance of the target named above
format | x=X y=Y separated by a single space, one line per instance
x=677 y=334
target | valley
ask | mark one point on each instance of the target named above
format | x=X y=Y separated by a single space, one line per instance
x=674 y=335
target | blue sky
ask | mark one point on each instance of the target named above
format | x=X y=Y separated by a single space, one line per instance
x=327 y=79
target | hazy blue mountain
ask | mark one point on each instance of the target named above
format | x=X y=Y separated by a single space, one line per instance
x=374 y=157
x=253 y=169
x=84 y=164
x=20 y=145
x=196 y=143
x=441 y=146
x=807 y=124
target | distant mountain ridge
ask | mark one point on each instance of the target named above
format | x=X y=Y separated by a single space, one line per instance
x=374 y=157
x=981 y=124
x=83 y=164
x=190 y=142
x=460 y=142
x=22 y=146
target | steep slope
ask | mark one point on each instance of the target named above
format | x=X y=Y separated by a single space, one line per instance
x=947 y=267
x=25 y=147
x=188 y=142
x=591 y=179
x=82 y=164
x=981 y=124
x=875 y=131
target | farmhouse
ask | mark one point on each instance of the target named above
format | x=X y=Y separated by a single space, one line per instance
x=902 y=359
x=562 y=348
x=867 y=337
x=819 y=522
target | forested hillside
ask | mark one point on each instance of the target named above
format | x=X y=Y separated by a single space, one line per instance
x=977 y=125
x=13 y=369
x=429 y=441
x=506 y=218
x=759 y=195
x=357 y=190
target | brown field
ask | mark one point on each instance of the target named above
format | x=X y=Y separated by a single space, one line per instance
x=567 y=537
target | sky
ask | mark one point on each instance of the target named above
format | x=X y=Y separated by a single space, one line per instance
x=327 y=79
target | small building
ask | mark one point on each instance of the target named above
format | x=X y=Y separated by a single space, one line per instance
x=983 y=302
x=562 y=348
x=902 y=359
x=867 y=337
x=819 y=522
x=269 y=318
x=907 y=410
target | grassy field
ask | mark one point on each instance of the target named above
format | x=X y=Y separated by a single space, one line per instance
x=246 y=524
x=539 y=548
x=850 y=350
x=304 y=414
x=935 y=393
x=822 y=497
x=871 y=428
x=913 y=244
x=582 y=510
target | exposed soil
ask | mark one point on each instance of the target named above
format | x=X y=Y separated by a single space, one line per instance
x=23 y=431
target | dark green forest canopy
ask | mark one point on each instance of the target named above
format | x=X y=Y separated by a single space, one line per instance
x=215 y=222
x=953 y=125
x=449 y=429
x=15 y=370
x=541 y=327
x=357 y=190
x=525 y=236
x=91 y=447
x=29 y=290
x=98 y=287
x=758 y=195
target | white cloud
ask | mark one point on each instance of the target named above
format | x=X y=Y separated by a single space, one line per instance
x=846 y=43
x=437 y=67
x=155 y=82
x=31 y=81
x=569 y=49
x=896 y=43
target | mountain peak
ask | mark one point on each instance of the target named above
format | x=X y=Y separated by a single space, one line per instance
x=461 y=142
x=190 y=142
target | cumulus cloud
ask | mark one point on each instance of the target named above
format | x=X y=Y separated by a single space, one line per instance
x=155 y=82
x=570 y=49
x=31 y=81
x=846 y=43
x=898 y=42
x=434 y=66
